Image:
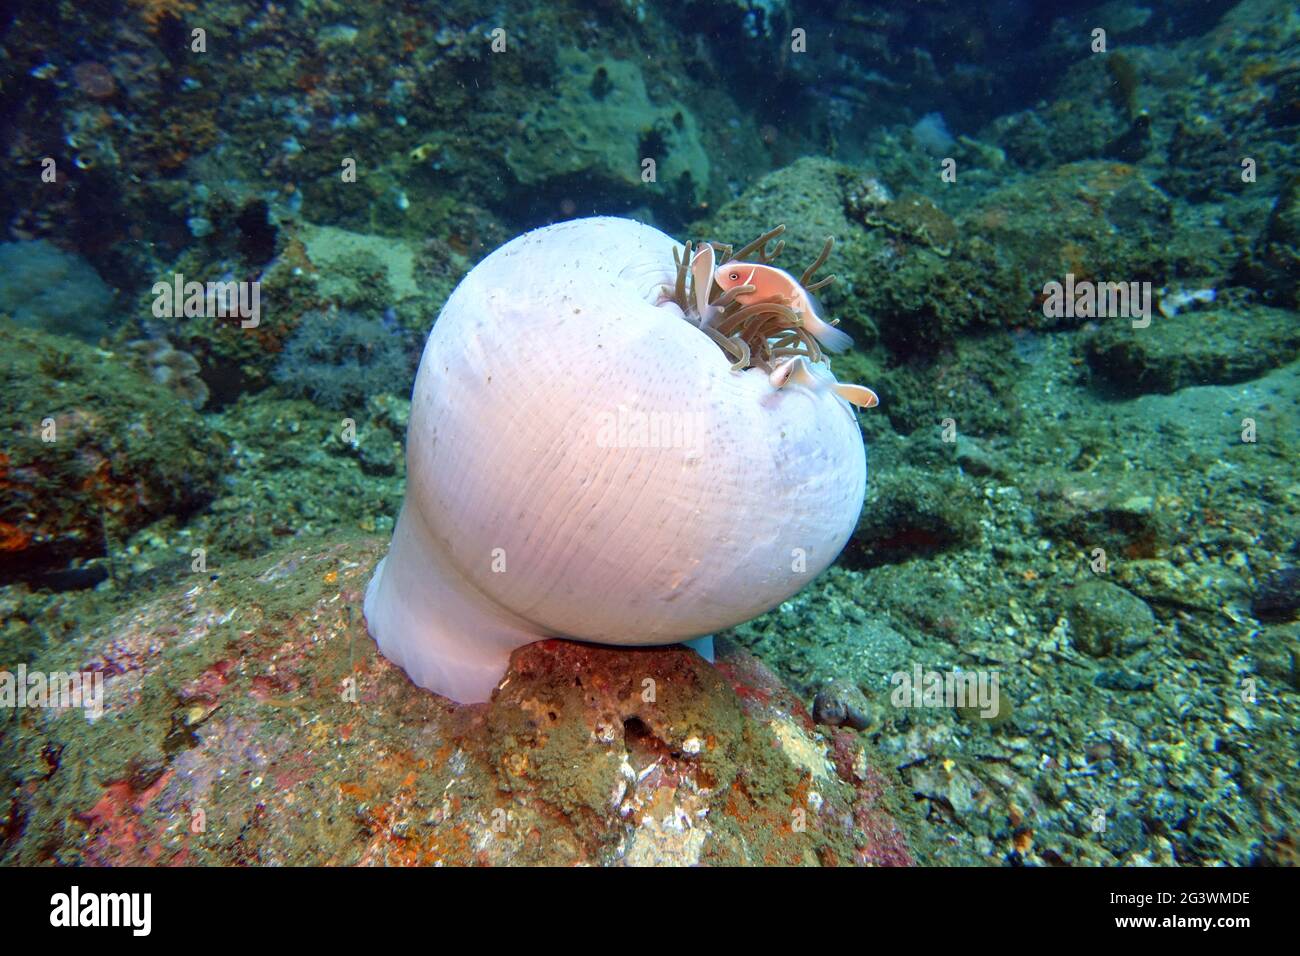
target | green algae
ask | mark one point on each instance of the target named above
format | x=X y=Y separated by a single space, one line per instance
x=600 y=124
x=93 y=450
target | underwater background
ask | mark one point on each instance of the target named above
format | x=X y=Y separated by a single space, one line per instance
x=1103 y=509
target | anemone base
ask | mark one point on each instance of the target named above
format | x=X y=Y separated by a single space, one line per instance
x=435 y=625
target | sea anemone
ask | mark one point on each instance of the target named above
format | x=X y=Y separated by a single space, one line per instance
x=591 y=455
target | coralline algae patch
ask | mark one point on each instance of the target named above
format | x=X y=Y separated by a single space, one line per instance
x=249 y=719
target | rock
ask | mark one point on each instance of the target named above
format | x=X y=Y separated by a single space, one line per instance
x=1215 y=347
x=977 y=460
x=840 y=703
x=955 y=788
x=1203 y=161
x=923 y=278
x=323 y=275
x=251 y=719
x=811 y=192
x=1106 y=620
x=1112 y=511
x=351 y=263
x=910 y=512
x=94 y=451
x=599 y=127
x=1115 y=226
x=907 y=272
x=1274 y=263
x=43 y=287
x=1124 y=680
x=1089 y=115
x=1277 y=598
x=1162 y=583
x=979 y=716
x=973 y=383
x=1277 y=656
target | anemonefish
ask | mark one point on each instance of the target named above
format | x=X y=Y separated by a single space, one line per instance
x=776 y=285
x=798 y=371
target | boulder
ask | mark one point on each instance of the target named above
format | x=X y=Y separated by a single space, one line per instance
x=94 y=451
x=249 y=719
x=1106 y=620
x=1214 y=347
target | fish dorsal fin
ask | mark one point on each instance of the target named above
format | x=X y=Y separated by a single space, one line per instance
x=794 y=370
x=702 y=266
x=781 y=374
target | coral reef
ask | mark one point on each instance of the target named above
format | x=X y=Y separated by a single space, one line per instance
x=1106 y=514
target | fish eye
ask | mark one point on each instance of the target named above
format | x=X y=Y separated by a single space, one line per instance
x=733 y=276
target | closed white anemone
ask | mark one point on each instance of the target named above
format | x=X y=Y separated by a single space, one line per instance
x=585 y=461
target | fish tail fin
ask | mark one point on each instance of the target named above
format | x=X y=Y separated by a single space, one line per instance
x=830 y=338
x=858 y=395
